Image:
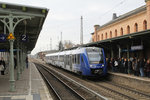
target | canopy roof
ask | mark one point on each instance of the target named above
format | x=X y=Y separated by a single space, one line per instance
x=31 y=27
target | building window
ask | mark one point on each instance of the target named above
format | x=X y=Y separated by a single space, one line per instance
x=121 y=31
x=145 y=25
x=128 y=29
x=110 y=34
x=115 y=33
x=136 y=27
x=105 y=35
x=102 y=37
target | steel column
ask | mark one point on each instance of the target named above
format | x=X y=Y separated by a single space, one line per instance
x=112 y=53
x=128 y=53
x=18 y=62
x=11 y=66
x=119 y=51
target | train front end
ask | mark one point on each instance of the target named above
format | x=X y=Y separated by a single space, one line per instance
x=97 y=61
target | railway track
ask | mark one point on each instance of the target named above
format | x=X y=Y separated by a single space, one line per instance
x=114 y=91
x=65 y=88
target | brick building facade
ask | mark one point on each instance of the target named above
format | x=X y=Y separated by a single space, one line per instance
x=132 y=22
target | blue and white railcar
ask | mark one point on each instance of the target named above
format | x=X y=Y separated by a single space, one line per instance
x=87 y=61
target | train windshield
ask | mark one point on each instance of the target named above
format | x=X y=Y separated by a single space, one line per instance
x=95 y=55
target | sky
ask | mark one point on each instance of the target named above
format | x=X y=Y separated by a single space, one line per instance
x=64 y=16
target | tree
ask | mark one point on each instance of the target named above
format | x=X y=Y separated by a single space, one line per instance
x=60 y=46
x=68 y=44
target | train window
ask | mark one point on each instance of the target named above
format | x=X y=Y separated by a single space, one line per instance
x=95 y=56
x=68 y=59
x=79 y=59
x=74 y=58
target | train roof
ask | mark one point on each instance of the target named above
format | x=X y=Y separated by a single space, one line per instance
x=74 y=51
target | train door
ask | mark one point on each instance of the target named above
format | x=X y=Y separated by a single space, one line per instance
x=82 y=64
x=70 y=61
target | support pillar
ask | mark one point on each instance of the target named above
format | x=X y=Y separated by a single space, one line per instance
x=23 y=60
x=128 y=53
x=11 y=63
x=119 y=52
x=112 y=53
x=21 y=57
x=18 y=62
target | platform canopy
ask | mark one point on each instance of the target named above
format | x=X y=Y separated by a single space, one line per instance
x=29 y=28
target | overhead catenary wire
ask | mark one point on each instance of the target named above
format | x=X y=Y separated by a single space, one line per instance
x=117 y=5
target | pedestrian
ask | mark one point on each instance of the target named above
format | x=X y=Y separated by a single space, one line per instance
x=129 y=66
x=134 y=66
x=138 y=67
x=122 y=65
x=2 y=65
x=147 y=66
x=119 y=65
x=27 y=62
x=125 y=66
x=116 y=65
x=112 y=64
x=142 y=64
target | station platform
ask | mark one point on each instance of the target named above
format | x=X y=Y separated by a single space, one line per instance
x=137 y=82
x=30 y=86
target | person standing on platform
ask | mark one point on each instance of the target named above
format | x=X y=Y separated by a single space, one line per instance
x=27 y=62
x=129 y=66
x=134 y=66
x=112 y=64
x=122 y=67
x=3 y=67
x=142 y=67
x=147 y=66
x=126 y=66
x=119 y=65
x=116 y=65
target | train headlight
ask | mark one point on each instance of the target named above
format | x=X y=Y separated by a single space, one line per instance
x=91 y=65
x=102 y=65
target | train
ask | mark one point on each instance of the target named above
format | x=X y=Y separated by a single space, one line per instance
x=85 y=61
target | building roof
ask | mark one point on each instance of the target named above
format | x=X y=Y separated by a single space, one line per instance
x=145 y=35
x=133 y=12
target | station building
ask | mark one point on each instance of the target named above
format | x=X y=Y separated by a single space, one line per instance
x=127 y=35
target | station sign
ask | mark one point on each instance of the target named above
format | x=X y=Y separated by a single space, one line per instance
x=139 y=47
x=24 y=38
x=2 y=37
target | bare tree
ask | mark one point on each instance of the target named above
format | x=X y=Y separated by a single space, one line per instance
x=60 y=46
x=68 y=44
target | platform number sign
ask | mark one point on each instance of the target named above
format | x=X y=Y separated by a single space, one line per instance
x=24 y=38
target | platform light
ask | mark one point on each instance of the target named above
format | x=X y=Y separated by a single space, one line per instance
x=43 y=11
x=3 y=5
x=11 y=37
x=24 y=9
